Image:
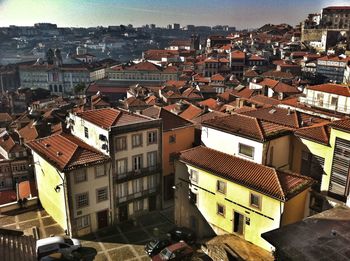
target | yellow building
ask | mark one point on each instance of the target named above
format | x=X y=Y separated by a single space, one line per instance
x=74 y=183
x=323 y=153
x=238 y=196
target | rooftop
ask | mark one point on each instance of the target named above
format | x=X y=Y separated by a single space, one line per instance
x=279 y=185
x=66 y=152
x=109 y=117
x=338 y=89
x=247 y=126
x=325 y=235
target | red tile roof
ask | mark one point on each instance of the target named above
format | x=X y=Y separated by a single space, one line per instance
x=5 y=117
x=170 y=120
x=192 y=93
x=217 y=77
x=210 y=103
x=319 y=133
x=141 y=66
x=109 y=117
x=266 y=180
x=248 y=126
x=237 y=54
x=66 y=152
x=338 y=89
x=191 y=112
x=285 y=88
x=264 y=100
x=341 y=125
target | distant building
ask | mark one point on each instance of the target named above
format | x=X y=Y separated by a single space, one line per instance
x=332 y=68
x=176 y=26
x=336 y=17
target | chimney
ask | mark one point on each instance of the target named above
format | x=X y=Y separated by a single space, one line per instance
x=288 y=113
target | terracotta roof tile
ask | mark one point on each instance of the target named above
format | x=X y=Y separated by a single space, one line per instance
x=192 y=93
x=263 y=179
x=5 y=117
x=191 y=112
x=247 y=126
x=217 y=77
x=338 y=89
x=170 y=120
x=210 y=103
x=319 y=133
x=276 y=115
x=285 y=88
x=264 y=100
x=237 y=54
x=66 y=152
x=341 y=125
x=109 y=117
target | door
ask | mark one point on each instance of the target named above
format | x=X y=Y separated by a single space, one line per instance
x=152 y=203
x=123 y=213
x=238 y=223
x=102 y=219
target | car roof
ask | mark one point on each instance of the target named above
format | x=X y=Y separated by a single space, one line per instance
x=49 y=240
x=176 y=246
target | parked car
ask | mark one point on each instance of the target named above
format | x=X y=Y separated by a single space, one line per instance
x=178 y=251
x=57 y=244
x=182 y=233
x=155 y=246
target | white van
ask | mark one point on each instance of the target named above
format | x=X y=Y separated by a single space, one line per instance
x=57 y=244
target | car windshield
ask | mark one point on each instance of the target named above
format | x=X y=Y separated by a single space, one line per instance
x=165 y=254
x=153 y=243
x=68 y=241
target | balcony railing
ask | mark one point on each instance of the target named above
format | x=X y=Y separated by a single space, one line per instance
x=138 y=173
x=135 y=195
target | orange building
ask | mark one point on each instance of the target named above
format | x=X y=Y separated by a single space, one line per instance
x=178 y=135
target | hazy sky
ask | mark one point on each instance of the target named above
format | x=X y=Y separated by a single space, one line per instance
x=239 y=13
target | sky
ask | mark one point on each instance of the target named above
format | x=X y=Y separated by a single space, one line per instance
x=84 y=13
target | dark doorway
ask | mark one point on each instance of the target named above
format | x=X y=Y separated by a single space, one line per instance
x=123 y=213
x=102 y=219
x=152 y=203
x=169 y=182
x=238 y=221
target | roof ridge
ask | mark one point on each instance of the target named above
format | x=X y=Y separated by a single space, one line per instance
x=258 y=122
x=279 y=184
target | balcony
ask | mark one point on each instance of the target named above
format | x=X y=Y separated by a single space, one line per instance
x=136 y=195
x=118 y=178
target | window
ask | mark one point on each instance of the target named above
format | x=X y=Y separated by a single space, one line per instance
x=80 y=176
x=194 y=175
x=255 y=200
x=136 y=140
x=334 y=101
x=102 y=194
x=152 y=181
x=86 y=132
x=123 y=190
x=82 y=200
x=220 y=209
x=152 y=137
x=312 y=166
x=172 y=138
x=246 y=150
x=138 y=205
x=122 y=166
x=137 y=162
x=193 y=198
x=221 y=187
x=137 y=185
x=100 y=171
x=152 y=160
x=120 y=144
x=83 y=221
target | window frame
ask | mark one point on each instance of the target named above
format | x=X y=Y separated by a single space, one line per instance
x=141 y=162
x=78 y=206
x=76 y=180
x=140 y=142
x=172 y=138
x=154 y=139
x=86 y=132
x=245 y=155
x=86 y=224
x=124 y=142
x=125 y=163
x=104 y=171
x=259 y=197
x=218 y=205
x=217 y=187
x=192 y=171
x=98 y=200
